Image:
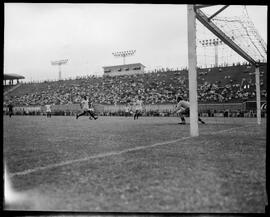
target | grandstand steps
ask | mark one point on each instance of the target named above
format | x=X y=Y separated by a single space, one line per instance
x=12 y=89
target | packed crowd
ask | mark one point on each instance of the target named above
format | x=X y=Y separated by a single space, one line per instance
x=154 y=88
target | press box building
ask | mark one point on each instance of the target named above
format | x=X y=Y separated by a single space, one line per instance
x=127 y=69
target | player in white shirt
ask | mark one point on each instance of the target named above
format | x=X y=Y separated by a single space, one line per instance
x=48 y=111
x=86 y=109
x=138 y=108
x=182 y=108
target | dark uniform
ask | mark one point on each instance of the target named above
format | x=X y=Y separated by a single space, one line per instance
x=10 y=110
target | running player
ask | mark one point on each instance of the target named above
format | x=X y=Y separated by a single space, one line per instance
x=182 y=108
x=92 y=111
x=138 y=108
x=10 y=109
x=48 y=111
x=86 y=109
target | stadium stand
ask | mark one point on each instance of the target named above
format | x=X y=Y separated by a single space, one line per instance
x=228 y=84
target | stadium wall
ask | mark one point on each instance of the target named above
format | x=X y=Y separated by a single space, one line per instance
x=70 y=109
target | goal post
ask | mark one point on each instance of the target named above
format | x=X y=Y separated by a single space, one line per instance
x=192 y=71
x=258 y=94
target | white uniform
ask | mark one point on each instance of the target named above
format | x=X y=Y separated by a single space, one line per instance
x=138 y=105
x=85 y=105
x=48 y=108
x=181 y=106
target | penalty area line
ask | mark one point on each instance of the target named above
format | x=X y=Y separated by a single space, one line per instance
x=108 y=154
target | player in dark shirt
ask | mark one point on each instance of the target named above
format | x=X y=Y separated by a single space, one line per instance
x=10 y=110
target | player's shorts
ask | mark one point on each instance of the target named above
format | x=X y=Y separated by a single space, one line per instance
x=138 y=108
x=138 y=111
x=184 y=111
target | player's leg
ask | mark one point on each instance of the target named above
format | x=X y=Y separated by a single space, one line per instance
x=183 y=121
x=182 y=116
x=78 y=115
x=11 y=113
x=201 y=120
x=92 y=114
x=135 y=114
x=88 y=112
x=139 y=114
x=181 y=112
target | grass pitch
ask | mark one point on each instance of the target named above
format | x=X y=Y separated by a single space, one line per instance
x=117 y=164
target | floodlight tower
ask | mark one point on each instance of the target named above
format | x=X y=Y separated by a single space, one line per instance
x=124 y=54
x=59 y=63
x=212 y=42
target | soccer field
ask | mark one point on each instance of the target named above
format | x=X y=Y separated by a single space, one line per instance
x=117 y=164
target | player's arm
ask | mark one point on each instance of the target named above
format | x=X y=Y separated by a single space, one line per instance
x=176 y=108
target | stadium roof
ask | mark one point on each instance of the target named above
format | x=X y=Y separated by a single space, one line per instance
x=13 y=76
x=125 y=65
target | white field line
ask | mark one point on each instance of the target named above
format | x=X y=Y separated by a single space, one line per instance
x=110 y=154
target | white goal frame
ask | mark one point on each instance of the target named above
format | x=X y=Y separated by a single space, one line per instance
x=193 y=13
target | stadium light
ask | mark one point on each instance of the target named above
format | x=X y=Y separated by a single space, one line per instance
x=59 y=63
x=124 y=54
x=213 y=42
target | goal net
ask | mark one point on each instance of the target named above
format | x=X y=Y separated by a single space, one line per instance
x=235 y=23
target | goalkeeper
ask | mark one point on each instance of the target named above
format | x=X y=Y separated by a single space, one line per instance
x=182 y=108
